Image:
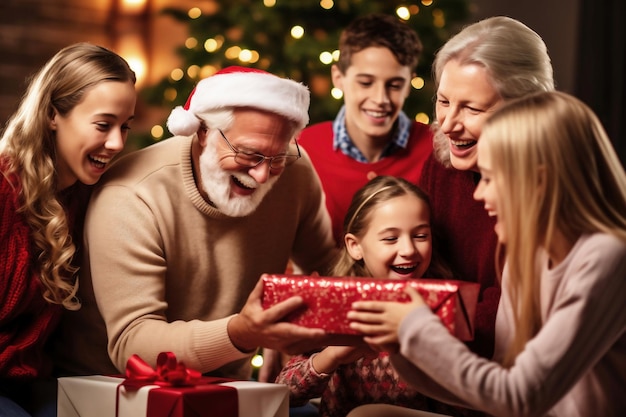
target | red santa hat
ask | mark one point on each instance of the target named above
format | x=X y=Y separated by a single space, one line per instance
x=241 y=87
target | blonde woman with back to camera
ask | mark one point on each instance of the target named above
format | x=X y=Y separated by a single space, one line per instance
x=557 y=191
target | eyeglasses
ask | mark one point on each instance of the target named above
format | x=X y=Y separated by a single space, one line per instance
x=252 y=159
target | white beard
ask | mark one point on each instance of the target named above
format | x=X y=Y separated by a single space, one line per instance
x=217 y=184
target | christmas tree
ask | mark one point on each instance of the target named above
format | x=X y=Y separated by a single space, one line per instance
x=297 y=39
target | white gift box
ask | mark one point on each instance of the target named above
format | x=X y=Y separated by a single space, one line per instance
x=96 y=396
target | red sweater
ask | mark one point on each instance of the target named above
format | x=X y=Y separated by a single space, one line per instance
x=466 y=239
x=26 y=319
x=365 y=381
x=342 y=176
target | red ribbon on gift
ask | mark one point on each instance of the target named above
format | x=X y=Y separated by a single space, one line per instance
x=181 y=389
x=169 y=373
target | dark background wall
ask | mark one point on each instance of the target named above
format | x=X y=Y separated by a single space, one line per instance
x=556 y=21
x=587 y=42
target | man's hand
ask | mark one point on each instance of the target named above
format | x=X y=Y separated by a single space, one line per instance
x=380 y=320
x=254 y=327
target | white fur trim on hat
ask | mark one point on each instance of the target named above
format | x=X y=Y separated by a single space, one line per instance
x=242 y=87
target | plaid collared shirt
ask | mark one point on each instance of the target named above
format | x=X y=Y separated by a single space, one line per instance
x=342 y=140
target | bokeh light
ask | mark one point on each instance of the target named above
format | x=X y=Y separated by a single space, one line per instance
x=194 y=13
x=177 y=74
x=297 y=32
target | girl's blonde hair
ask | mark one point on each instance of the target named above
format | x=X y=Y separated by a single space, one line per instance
x=556 y=172
x=29 y=150
x=515 y=57
x=378 y=190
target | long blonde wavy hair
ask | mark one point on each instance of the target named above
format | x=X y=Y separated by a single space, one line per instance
x=515 y=57
x=28 y=146
x=556 y=172
x=358 y=218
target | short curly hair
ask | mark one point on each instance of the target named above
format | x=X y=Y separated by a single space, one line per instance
x=382 y=30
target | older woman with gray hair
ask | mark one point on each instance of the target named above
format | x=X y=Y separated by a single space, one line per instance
x=476 y=71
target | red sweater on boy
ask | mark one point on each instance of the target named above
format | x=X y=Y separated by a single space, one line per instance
x=342 y=176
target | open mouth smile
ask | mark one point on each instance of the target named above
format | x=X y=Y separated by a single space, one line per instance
x=463 y=144
x=404 y=269
x=98 y=162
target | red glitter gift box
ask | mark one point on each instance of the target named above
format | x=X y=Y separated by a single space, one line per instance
x=328 y=299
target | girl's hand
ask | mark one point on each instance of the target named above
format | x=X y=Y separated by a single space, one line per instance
x=332 y=357
x=379 y=320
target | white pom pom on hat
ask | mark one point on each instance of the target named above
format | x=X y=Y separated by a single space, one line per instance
x=182 y=122
x=241 y=87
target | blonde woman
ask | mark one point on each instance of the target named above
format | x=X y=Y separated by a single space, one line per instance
x=557 y=190
x=72 y=121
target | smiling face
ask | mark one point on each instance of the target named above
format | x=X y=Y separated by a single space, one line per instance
x=237 y=190
x=93 y=132
x=397 y=243
x=374 y=87
x=487 y=190
x=466 y=97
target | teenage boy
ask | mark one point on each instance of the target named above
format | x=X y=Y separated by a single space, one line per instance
x=371 y=135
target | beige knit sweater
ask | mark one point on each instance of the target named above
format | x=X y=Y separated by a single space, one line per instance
x=168 y=270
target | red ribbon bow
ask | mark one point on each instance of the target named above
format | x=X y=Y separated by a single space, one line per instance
x=174 y=380
x=169 y=373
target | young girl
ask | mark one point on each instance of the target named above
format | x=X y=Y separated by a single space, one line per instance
x=388 y=236
x=72 y=121
x=557 y=190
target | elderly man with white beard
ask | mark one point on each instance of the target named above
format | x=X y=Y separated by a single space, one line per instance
x=179 y=233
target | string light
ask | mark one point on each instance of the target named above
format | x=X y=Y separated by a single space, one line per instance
x=232 y=52
x=418 y=83
x=177 y=74
x=191 y=43
x=245 y=55
x=193 y=71
x=254 y=57
x=257 y=361
x=213 y=44
x=422 y=118
x=326 y=57
x=194 y=13
x=210 y=45
x=297 y=32
x=157 y=131
x=403 y=13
